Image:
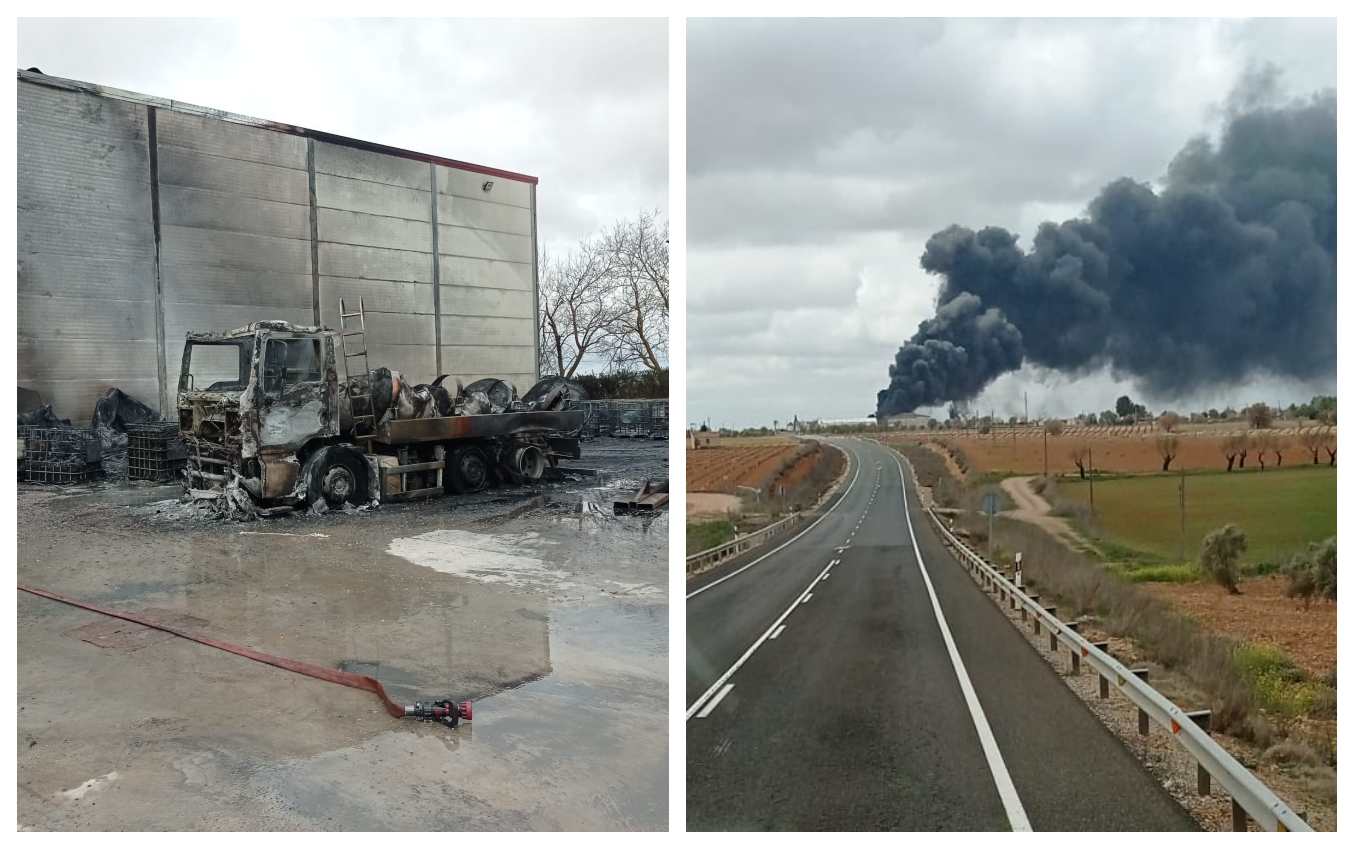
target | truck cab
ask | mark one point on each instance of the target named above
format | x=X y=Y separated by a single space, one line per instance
x=252 y=400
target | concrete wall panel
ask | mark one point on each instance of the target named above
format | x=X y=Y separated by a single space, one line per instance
x=368 y=165
x=233 y=176
x=374 y=263
x=376 y=231
x=86 y=249
x=484 y=244
x=212 y=137
x=495 y=274
x=226 y=249
x=219 y=211
x=478 y=301
x=483 y=215
x=266 y=290
x=379 y=296
x=488 y=361
x=478 y=330
x=346 y=193
x=470 y=184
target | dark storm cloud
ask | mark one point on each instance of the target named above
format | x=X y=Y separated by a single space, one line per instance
x=848 y=144
x=1229 y=271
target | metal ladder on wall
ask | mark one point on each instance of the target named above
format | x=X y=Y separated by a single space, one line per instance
x=364 y=414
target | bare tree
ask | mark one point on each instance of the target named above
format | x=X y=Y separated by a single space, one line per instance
x=1168 y=421
x=1078 y=455
x=1312 y=441
x=1167 y=447
x=639 y=279
x=1232 y=446
x=1262 y=442
x=576 y=312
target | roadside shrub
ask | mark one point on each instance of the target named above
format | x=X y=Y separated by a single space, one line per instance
x=1220 y=553
x=1313 y=574
x=1290 y=752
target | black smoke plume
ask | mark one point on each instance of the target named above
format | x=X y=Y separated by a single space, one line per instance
x=1228 y=272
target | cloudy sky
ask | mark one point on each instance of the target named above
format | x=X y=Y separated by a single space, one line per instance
x=823 y=154
x=583 y=105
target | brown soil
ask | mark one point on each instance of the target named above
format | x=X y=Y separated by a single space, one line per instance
x=710 y=505
x=724 y=469
x=1127 y=449
x=1261 y=614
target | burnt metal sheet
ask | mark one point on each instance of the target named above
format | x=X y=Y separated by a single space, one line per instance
x=470 y=427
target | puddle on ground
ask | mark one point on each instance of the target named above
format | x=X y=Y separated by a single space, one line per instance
x=493 y=558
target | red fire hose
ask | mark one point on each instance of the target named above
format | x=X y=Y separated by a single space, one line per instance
x=443 y=711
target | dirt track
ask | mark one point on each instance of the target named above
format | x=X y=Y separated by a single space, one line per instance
x=1032 y=508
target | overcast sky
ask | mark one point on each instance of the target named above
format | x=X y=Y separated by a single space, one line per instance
x=583 y=105
x=822 y=155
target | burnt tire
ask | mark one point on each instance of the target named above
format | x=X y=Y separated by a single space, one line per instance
x=337 y=474
x=467 y=471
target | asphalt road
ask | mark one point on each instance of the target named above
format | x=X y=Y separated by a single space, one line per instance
x=823 y=692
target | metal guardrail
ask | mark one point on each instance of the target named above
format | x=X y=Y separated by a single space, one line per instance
x=743 y=543
x=1250 y=796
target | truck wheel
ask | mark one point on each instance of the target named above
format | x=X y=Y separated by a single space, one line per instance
x=337 y=475
x=467 y=470
x=528 y=464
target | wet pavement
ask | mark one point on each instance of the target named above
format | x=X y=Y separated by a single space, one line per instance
x=553 y=619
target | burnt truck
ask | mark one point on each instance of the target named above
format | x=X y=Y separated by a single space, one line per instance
x=291 y=415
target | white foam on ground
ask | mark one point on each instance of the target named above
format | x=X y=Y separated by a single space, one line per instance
x=494 y=558
x=95 y=784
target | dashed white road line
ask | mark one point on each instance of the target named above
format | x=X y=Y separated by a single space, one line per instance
x=748 y=653
x=776 y=634
x=810 y=528
x=710 y=706
x=1006 y=789
x=807 y=596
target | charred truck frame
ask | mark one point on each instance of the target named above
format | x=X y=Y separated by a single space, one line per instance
x=265 y=409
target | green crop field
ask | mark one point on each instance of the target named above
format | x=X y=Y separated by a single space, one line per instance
x=1281 y=510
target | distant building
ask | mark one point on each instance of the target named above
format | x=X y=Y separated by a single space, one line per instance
x=702 y=439
x=907 y=420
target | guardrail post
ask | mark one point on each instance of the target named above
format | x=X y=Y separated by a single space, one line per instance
x=1203 y=719
x=1103 y=683
x=1142 y=673
x=1075 y=653
x=1052 y=610
x=1239 y=818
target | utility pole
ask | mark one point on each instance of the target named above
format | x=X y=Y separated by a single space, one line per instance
x=1091 y=478
x=1181 y=491
x=1027 y=397
x=1046 y=452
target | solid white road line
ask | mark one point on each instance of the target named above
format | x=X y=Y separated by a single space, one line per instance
x=1006 y=790
x=710 y=706
x=754 y=563
x=776 y=634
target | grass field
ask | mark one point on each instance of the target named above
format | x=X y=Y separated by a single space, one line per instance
x=1280 y=510
x=705 y=535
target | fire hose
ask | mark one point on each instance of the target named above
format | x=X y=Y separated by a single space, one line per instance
x=445 y=711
